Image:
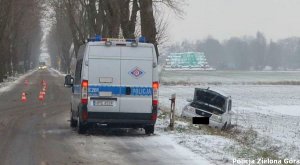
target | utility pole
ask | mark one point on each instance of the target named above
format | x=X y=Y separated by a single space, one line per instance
x=172 y=114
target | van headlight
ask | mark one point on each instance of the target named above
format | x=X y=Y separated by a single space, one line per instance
x=216 y=118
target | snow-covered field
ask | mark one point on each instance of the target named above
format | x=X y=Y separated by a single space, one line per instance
x=230 y=77
x=272 y=111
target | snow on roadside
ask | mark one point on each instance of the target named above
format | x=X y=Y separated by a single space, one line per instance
x=118 y=146
x=56 y=73
x=212 y=148
x=270 y=110
x=10 y=82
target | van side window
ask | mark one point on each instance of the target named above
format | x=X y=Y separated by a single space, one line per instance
x=78 y=71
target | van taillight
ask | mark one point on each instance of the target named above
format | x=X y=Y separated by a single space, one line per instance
x=155 y=86
x=84 y=91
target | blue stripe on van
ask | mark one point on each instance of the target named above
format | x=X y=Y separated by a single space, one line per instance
x=120 y=90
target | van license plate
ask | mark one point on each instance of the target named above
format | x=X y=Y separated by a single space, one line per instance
x=104 y=102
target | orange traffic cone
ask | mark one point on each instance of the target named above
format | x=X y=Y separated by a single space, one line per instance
x=23 y=97
x=26 y=82
x=41 y=96
x=44 y=83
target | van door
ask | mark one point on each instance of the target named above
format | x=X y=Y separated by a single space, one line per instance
x=104 y=79
x=136 y=79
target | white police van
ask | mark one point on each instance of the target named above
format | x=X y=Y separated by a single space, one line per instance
x=114 y=83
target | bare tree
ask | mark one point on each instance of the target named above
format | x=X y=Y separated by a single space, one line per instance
x=20 y=35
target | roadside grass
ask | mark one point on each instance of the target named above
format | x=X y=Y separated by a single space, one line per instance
x=249 y=145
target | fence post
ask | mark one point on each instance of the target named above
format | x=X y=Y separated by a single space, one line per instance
x=172 y=114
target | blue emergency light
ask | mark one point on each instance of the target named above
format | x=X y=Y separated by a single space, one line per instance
x=98 y=38
x=142 y=39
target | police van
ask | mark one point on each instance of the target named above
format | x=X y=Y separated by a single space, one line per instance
x=114 y=83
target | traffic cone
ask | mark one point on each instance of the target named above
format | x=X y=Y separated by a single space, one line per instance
x=44 y=83
x=23 y=97
x=41 y=96
x=26 y=82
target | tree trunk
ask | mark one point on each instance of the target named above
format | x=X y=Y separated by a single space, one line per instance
x=128 y=24
x=113 y=18
x=148 y=27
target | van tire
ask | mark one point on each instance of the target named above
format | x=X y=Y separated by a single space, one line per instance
x=149 y=130
x=81 y=129
x=73 y=123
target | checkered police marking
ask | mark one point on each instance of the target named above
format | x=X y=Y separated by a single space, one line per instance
x=136 y=72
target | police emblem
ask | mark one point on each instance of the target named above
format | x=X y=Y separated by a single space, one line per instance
x=136 y=72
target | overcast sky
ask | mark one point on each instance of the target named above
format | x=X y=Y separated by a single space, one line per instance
x=223 y=19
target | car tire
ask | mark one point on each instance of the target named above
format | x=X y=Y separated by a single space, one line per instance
x=81 y=128
x=73 y=123
x=149 y=130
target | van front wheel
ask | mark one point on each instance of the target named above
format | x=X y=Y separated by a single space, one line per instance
x=73 y=123
x=149 y=129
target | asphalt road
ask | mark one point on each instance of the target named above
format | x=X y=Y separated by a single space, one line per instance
x=37 y=133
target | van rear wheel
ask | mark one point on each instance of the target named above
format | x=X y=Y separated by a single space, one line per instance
x=149 y=129
x=81 y=129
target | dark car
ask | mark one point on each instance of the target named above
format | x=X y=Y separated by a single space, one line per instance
x=208 y=103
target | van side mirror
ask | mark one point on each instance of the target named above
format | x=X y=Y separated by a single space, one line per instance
x=189 y=100
x=69 y=81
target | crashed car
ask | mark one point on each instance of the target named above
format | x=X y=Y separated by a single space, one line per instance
x=208 y=103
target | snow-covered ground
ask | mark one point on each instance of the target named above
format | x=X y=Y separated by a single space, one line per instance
x=273 y=111
x=10 y=82
x=56 y=73
x=267 y=117
x=230 y=77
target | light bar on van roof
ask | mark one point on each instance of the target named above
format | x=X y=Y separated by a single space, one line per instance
x=99 y=38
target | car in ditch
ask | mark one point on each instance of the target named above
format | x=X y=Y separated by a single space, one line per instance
x=209 y=103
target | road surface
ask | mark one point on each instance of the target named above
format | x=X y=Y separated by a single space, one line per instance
x=37 y=133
